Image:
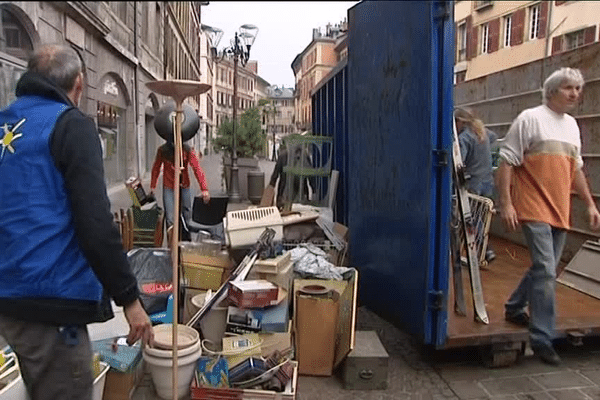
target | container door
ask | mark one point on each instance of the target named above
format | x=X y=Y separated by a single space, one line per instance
x=399 y=109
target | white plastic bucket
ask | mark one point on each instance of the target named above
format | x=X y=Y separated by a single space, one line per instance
x=160 y=353
x=214 y=323
x=161 y=371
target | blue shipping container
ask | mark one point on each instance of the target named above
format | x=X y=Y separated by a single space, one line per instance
x=400 y=66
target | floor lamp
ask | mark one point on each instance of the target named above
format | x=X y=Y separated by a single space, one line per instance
x=178 y=90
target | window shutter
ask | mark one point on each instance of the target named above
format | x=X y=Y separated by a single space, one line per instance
x=471 y=39
x=557 y=44
x=543 y=19
x=589 y=35
x=518 y=28
x=494 y=35
x=455 y=43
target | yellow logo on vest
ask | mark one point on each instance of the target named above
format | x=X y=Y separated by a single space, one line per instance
x=10 y=135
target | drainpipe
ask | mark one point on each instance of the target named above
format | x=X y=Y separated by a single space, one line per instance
x=136 y=97
x=166 y=21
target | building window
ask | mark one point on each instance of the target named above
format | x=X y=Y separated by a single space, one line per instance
x=507 y=30
x=534 y=22
x=479 y=4
x=574 y=39
x=485 y=35
x=462 y=42
x=17 y=41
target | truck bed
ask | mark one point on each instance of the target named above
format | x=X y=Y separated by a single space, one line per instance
x=576 y=311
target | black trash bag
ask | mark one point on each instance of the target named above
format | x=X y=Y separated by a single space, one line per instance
x=154 y=272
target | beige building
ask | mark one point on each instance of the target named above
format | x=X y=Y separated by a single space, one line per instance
x=223 y=89
x=313 y=64
x=492 y=36
x=123 y=45
x=278 y=117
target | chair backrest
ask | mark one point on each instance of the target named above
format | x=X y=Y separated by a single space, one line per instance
x=129 y=230
x=159 y=230
x=126 y=230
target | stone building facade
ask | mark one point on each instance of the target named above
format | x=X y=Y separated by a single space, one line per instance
x=123 y=46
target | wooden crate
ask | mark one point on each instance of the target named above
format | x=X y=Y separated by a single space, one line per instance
x=205 y=393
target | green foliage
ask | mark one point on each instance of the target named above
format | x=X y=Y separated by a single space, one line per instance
x=250 y=140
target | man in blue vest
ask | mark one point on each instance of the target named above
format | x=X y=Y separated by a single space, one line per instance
x=62 y=258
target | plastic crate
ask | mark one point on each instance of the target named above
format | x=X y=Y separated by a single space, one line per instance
x=244 y=227
x=204 y=277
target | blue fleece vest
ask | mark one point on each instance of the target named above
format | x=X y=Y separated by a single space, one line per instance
x=39 y=252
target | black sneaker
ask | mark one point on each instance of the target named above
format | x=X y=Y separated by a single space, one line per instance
x=521 y=319
x=547 y=355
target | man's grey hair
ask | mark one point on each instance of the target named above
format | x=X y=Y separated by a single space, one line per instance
x=58 y=63
x=557 y=78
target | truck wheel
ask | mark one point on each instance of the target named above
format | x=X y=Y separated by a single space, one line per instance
x=500 y=355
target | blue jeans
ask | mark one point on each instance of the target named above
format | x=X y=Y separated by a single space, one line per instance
x=169 y=202
x=537 y=288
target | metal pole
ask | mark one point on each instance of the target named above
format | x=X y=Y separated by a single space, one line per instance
x=175 y=239
x=234 y=190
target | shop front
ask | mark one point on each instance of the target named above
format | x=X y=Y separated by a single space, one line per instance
x=111 y=111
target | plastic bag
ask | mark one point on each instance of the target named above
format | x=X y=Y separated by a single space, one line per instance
x=152 y=268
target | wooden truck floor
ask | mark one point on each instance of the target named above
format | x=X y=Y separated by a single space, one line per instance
x=577 y=313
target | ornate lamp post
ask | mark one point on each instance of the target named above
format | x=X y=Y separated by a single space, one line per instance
x=239 y=50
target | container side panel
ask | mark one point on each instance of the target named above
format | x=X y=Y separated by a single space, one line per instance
x=390 y=165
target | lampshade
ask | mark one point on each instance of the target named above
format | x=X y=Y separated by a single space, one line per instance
x=165 y=118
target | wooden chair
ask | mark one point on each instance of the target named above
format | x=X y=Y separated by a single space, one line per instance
x=126 y=228
x=159 y=230
x=142 y=228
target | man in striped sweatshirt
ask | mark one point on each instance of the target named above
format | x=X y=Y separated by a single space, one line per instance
x=541 y=163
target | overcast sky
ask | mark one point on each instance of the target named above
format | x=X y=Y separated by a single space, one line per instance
x=285 y=29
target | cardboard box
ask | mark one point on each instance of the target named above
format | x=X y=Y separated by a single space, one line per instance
x=346 y=322
x=253 y=294
x=272 y=265
x=281 y=277
x=269 y=319
x=122 y=385
x=272 y=341
x=316 y=321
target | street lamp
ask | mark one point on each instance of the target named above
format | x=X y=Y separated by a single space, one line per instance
x=239 y=49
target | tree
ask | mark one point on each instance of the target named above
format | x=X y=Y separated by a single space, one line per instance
x=250 y=140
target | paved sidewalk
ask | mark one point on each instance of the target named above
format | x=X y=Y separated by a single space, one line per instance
x=419 y=373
